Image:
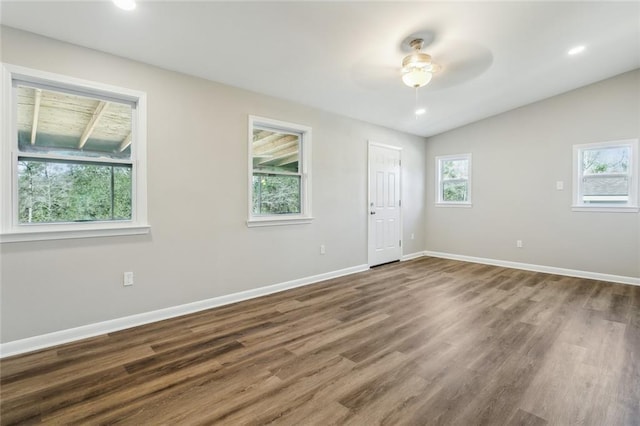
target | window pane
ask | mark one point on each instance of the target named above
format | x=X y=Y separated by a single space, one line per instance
x=273 y=194
x=122 y=193
x=454 y=190
x=66 y=124
x=455 y=169
x=603 y=188
x=606 y=160
x=50 y=192
x=275 y=151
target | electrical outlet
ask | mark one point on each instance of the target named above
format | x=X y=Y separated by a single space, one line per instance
x=519 y=243
x=127 y=279
x=559 y=185
x=323 y=249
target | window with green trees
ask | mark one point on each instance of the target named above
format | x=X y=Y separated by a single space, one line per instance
x=605 y=174
x=279 y=171
x=276 y=171
x=453 y=179
x=53 y=191
x=76 y=158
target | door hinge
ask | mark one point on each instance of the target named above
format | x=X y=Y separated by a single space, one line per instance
x=399 y=203
x=400 y=243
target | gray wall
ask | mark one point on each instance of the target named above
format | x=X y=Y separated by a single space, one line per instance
x=517 y=158
x=199 y=246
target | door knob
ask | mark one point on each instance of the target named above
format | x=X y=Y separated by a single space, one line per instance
x=372 y=212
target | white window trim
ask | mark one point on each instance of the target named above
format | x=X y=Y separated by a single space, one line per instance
x=632 y=205
x=305 y=216
x=10 y=229
x=438 y=195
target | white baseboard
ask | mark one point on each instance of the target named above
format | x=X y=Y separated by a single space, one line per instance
x=412 y=256
x=65 y=336
x=537 y=268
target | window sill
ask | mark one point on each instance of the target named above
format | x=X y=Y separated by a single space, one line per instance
x=37 y=233
x=270 y=221
x=607 y=209
x=463 y=205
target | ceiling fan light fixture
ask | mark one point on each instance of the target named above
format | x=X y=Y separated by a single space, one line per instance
x=416 y=77
x=417 y=67
x=417 y=60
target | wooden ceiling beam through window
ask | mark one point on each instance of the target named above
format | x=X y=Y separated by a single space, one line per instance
x=264 y=138
x=100 y=109
x=36 y=113
x=283 y=161
x=272 y=139
x=125 y=143
x=273 y=144
x=281 y=157
x=275 y=148
x=258 y=135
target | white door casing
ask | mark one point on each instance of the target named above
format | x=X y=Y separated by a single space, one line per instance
x=384 y=207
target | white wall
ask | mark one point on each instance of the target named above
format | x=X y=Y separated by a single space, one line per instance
x=517 y=158
x=199 y=246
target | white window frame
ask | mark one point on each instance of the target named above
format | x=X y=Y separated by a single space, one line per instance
x=440 y=202
x=304 y=216
x=632 y=204
x=10 y=228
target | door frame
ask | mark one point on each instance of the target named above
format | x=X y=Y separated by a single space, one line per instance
x=400 y=224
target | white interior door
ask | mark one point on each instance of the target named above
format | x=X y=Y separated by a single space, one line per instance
x=384 y=204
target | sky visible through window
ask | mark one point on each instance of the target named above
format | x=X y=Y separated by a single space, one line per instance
x=606 y=160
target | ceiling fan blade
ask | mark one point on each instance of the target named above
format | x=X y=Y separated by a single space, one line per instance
x=458 y=62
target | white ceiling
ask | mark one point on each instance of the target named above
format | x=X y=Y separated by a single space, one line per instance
x=345 y=57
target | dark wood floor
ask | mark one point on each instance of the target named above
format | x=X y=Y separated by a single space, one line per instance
x=429 y=341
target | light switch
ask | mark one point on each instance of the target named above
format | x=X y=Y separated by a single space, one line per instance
x=559 y=185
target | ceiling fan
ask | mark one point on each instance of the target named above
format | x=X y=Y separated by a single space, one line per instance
x=456 y=62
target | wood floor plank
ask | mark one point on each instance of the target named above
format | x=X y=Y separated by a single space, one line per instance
x=308 y=414
x=267 y=407
x=522 y=418
x=63 y=371
x=374 y=405
x=426 y=342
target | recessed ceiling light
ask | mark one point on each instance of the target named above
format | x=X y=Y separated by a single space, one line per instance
x=576 y=50
x=421 y=111
x=125 y=4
